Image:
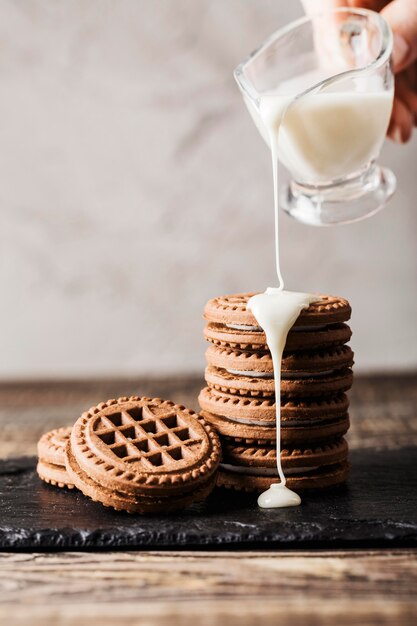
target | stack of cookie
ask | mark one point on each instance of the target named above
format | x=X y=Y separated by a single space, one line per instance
x=51 y=457
x=239 y=400
x=141 y=455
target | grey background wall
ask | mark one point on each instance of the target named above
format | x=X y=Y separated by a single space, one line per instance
x=134 y=187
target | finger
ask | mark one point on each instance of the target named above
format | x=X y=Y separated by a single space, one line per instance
x=401 y=15
x=373 y=5
x=401 y=124
x=407 y=95
x=321 y=6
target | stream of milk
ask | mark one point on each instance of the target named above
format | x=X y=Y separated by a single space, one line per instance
x=319 y=137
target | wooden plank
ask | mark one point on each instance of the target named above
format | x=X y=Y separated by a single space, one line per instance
x=382 y=410
x=29 y=409
x=205 y=588
x=249 y=612
x=349 y=587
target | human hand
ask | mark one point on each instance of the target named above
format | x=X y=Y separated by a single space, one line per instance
x=401 y=15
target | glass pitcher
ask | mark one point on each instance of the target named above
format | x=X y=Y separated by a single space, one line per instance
x=321 y=91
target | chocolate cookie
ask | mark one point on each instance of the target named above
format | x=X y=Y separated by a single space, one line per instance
x=231 y=309
x=239 y=400
x=253 y=386
x=262 y=411
x=51 y=458
x=293 y=432
x=113 y=498
x=253 y=338
x=294 y=460
x=143 y=455
x=323 y=477
x=302 y=374
x=307 y=362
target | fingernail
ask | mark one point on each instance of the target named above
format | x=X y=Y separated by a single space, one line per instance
x=395 y=134
x=400 y=51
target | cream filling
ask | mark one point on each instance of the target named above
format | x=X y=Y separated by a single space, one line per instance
x=291 y=423
x=240 y=420
x=266 y=471
x=286 y=375
x=251 y=373
x=258 y=329
x=253 y=329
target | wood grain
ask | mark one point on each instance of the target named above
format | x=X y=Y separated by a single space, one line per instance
x=383 y=408
x=209 y=588
x=226 y=589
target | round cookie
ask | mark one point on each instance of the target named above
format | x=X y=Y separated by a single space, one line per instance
x=231 y=309
x=143 y=455
x=51 y=455
x=305 y=387
x=298 y=362
x=115 y=499
x=253 y=338
x=262 y=411
x=324 y=477
x=56 y=475
x=292 y=433
x=293 y=460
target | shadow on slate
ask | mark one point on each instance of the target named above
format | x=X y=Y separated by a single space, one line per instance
x=378 y=508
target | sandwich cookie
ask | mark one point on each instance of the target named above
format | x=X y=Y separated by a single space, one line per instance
x=232 y=310
x=302 y=387
x=302 y=374
x=231 y=324
x=262 y=411
x=309 y=362
x=51 y=458
x=243 y=337
x=143 y=455
x=254 y=419
x=291 y=434
x=250 y=468
x=323 y=477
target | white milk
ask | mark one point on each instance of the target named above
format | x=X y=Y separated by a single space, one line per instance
x=276 y=311
x=315 y=143
x=320 y=137
x=325 y=135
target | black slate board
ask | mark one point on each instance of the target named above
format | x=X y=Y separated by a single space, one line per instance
x=377 y=508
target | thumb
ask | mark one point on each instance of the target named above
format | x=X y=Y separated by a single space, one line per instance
x=401 y=15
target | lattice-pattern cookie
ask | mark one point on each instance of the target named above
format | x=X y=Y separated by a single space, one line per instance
x=135 y=453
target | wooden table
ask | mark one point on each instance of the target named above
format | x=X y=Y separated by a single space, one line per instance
x=225 y=588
